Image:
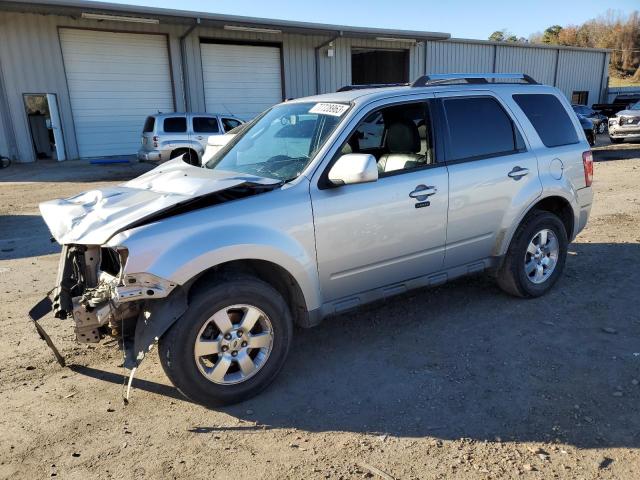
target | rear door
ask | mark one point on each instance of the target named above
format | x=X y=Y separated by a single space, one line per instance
x=175 y=130
x=493 y=174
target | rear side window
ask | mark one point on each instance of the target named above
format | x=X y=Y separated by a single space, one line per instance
x=479 y=128
x=205 y=125
x=175 y=125
x=549 y=118
x=149 y=125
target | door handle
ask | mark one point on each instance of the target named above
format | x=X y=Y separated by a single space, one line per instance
x=518 y=172
x=422 y=192
x=200 y=137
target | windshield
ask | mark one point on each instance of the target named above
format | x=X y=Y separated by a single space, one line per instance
x=281 y=142
x=635 y=106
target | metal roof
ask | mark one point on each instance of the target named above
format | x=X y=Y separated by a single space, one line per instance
x=165 y=15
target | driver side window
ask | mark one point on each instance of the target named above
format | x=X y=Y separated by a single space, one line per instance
x=399 y=137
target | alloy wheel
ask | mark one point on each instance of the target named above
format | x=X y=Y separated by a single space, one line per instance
x=541 y=257
x=233 y=344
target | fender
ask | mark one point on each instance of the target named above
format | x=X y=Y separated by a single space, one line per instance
x=503 y=241
x=182 y=247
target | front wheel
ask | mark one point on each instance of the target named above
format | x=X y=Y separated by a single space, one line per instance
x=536 y=256
x=602 y=127
x=230 y=344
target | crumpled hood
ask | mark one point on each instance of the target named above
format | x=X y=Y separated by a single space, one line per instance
x=93 y=217
x=628 y=113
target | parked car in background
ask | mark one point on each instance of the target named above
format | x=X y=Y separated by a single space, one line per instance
x=600 y=121
x=170 y=135
x=620 y=102
x=625 y=125
x=589 y=129
x=294 y=219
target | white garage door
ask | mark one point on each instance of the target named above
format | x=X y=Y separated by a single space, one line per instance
x=241 y=80
x=115 y=80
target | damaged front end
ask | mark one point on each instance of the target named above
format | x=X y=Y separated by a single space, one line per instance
x=93 y=289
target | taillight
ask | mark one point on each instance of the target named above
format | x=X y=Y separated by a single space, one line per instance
x=587 y=162
x=156 y=139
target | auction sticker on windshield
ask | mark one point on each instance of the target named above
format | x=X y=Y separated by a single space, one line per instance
x=335 y=109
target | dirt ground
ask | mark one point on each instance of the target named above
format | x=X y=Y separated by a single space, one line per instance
x=458 y=382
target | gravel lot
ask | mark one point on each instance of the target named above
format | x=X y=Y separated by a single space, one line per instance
x=459 y=382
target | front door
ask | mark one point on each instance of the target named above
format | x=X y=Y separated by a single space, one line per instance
x=493 y=176
x=378 y=234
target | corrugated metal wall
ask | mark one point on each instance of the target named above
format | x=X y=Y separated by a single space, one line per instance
x=449 y=57
x=580 y=71
x=537 y=62
x=32 y=62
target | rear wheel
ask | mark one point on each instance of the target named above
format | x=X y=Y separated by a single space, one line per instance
x=230 y=344
x=536 y=256
x=188 y=155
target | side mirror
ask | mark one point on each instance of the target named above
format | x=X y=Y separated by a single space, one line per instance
x=354 y=168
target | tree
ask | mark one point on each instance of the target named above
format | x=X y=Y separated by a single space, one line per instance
x=551 y=34
x=497 y=36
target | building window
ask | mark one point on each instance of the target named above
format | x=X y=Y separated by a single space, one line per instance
x=379 y=66
x=580 y=98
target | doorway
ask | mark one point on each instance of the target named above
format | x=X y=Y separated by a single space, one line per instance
x=44 y=125
x=379 y=66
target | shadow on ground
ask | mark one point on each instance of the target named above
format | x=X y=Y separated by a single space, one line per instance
x=24 y=236
x=72 y=171
x=466 y=360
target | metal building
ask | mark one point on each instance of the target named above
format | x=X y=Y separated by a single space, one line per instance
x=78 y=78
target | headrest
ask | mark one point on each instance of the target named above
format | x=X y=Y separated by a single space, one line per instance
x=403 y=137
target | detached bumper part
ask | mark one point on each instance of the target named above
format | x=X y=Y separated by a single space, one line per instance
x=38 y=311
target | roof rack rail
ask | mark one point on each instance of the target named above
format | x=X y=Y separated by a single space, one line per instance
x=449 y=78
x=347 y=88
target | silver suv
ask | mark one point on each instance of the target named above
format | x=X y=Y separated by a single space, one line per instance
x=170 y=135
x=318 y=206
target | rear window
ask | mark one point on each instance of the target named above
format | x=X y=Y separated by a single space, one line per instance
x=205 y=125
x=479 y=128
x=149 y=125
x=175 y=125
x=549 y=118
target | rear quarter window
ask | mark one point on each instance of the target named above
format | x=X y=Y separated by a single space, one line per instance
x=175 y=125
x=549 y=117
x=149 y=125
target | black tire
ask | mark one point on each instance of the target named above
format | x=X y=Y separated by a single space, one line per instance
x=512 y=277
x=602 y=127
x=176 y=347
x=617 y=141
x=189 y=156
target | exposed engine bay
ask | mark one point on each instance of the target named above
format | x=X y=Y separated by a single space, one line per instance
x=92 y=289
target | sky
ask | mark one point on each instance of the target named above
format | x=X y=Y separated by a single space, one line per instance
x=461 y=18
